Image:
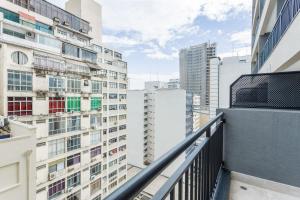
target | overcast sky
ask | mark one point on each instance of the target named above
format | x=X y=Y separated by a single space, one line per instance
x=150 y=33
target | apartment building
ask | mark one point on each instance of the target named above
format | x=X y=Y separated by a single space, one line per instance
x=17 y=168
x=58 y=78
x=195 y=68
x=275 y=36
x=155 y=125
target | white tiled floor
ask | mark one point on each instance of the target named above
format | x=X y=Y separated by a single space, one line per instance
x=254 y=189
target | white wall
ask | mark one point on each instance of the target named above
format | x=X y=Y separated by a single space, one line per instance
x=135 y=121
x=170 y=123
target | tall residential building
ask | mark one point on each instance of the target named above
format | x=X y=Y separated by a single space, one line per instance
x=275 y=36
x=56 y=76
x=154 y=85
x=195 y=68
x=17 y=163
x=174 y=84
x=155 y=125
x=222 y=74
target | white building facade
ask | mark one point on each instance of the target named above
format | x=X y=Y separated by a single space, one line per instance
x=17 y=163
x=275 y=36
x=156 y=123
x=57 y=77
x=222 y=74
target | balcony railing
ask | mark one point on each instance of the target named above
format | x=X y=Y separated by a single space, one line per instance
x=286 y=16
x=273 y=90
x=197 y=176
x=50 y=64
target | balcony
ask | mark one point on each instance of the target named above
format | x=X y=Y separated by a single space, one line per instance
x=285 y=18
x=246 y=152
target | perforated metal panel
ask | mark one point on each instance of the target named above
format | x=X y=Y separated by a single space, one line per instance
x=274 y=90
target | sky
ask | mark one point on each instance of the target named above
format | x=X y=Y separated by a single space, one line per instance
x=150 y=33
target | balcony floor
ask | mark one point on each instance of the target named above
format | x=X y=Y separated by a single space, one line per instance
x=244 y=187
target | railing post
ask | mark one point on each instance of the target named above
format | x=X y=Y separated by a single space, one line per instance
x=208 y=132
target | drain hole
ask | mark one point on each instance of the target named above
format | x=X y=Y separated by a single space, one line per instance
x=243 y=187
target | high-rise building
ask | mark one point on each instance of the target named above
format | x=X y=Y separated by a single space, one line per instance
x=57 y=76
x=155 y=125
x=195 y=68
x=275 y=36
x=174 y=84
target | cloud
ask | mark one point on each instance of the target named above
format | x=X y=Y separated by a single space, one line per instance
x=243 y=37
x=137 y=81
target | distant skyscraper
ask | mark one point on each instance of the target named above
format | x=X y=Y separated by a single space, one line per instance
x=174 y=84
x=195 y=68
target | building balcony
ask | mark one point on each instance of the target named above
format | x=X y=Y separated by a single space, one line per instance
x=273 y=55
x=248 y=151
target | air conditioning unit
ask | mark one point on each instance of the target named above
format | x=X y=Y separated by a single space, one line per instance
x=56 y=19
x=93 y=177
x=66 y=23
x=3 y=121
x=52 y=176
x=70 y=189
x=30 y=35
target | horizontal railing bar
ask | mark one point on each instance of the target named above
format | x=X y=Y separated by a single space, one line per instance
x=145 y=177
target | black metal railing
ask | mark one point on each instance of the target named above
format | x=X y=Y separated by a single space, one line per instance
x=197 y=176
x=272 y=90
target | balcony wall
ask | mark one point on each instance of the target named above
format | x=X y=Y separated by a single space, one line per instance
x=263 y=143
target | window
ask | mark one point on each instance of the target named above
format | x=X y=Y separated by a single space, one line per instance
x=122 y=117
x=96 y=87
x=114 y=151
x=122 y=76
x=112 y=163
x=122 y=86
x=56 y=147
x=112 y=174
x=113 y=85
x=89 y=56
x=74 y=85
x=57 y=188
x=73 y=180
x=57 y=166
x=113 y=140
x=10 y=15
x=74 y=123
x=113 y=118
x=122 y=168
x=56 y=104
x=113 y=129
x=95 y=121
x=49 y=41
x=122 y=127
x=123 y=96
x=95 y=169
x=113 y=74
x=19 y=106
x=113 y=96
x=95 y=103
x=122 y=148
x=75 y=196
x=14 y=34
x=113 y=107
x=95 y=137
x=123 y=137
x=122 y=158
x=74 y=104
x=56 y=84
x=73 y=143
x=71 y=50
x=122 y=107
x=95 y=186
x=19 y=81
x=57 y=126
x=19 y=57
x=95 y=151
x=97 y=197
x=73 y=160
